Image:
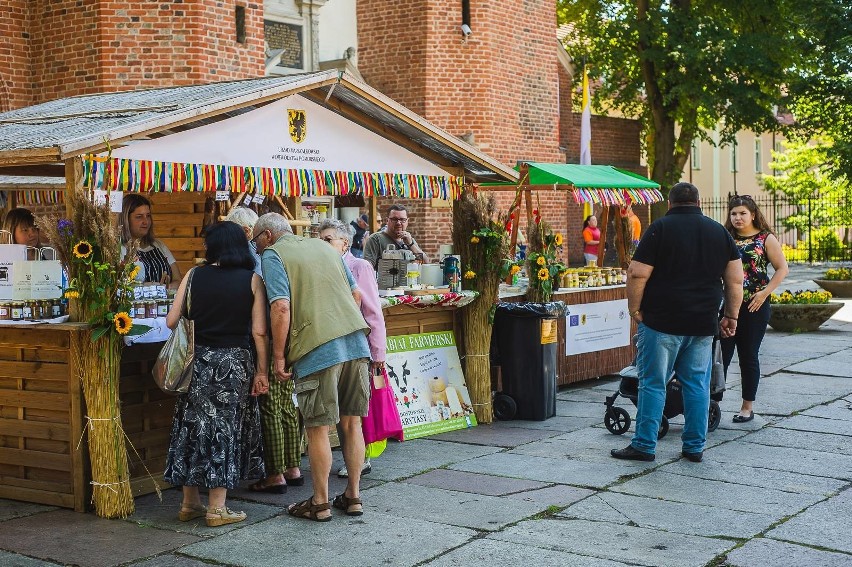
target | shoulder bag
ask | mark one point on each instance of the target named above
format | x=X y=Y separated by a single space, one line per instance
x=173 y=368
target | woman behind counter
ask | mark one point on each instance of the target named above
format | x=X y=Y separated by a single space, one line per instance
x=156 y=262
x=216 y=438
x=591 y=239
x=340 y=237
x=21 y=224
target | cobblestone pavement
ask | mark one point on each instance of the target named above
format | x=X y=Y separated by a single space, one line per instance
x=770 y=492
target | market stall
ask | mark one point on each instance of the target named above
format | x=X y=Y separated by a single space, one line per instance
x=594 y=336
x=276 y=140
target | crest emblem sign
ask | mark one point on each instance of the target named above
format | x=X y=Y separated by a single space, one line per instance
x=298 y=125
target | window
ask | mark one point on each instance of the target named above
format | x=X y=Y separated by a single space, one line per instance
x=758 y=155
x=240 y=21
x=733 y=158
x=695 y=155
x=779 y=148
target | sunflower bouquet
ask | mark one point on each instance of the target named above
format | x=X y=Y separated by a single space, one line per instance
x=99 y=293
x=544 y=266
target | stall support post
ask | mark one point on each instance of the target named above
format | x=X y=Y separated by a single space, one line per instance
x=602 y=223
x=73 y=180
x=621 y=239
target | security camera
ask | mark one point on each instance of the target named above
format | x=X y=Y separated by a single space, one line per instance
x=466 y=31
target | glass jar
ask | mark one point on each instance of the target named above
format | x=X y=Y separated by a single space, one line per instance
x=56 y=308
x=162 y=307
x=5 y=311
x=151 y=309
x=17 y=310
x=29 y=308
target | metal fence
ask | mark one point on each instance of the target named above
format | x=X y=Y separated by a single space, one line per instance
x=810 y=229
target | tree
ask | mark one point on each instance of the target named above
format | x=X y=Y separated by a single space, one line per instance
x=685 y=66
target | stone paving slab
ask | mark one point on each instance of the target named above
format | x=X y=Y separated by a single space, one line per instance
x=636 y=546
x=837 y=364
x=343 y=542
x=805 y=422
x=557 y=423
x=752 y=476
x=677 y=517
x=588 y=409
x=761 y=552
x=792 y=384
x=825 y=525
x=588 y=392
x=80 y=539
x=558 y=495
x=691 y=490
x=490 y=552
x=15 y=560
x=779 y=437
x=495 y=435
x=802 y=461
x=402 y=460
x=13 y=509
x=839 y=409
x=562 y=471
x=485 y=484
x=170 y=560
x=450 y=507
x=151 y=512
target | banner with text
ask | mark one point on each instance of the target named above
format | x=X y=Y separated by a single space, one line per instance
x=426 y=376
x=597 y=326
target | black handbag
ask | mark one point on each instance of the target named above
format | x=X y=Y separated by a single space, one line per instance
x=174 y=365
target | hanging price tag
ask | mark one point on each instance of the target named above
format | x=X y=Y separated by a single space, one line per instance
x=259 y=199
x=223 y=195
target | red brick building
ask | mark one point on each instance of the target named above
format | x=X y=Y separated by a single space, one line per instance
x=504 y=88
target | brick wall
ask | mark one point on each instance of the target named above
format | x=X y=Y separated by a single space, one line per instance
x=15 y=78
x=86 y=46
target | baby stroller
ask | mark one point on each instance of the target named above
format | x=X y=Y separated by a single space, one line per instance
x=617 y=420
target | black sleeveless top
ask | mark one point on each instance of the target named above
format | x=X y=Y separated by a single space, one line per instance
x=221 y=302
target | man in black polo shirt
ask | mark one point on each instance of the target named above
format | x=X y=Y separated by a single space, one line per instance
x=674 y=289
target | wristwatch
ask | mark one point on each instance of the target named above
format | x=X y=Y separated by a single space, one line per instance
x=633 y=314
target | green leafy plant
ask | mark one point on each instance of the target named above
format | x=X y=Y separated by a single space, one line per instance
x=800 y=297
x=543 y=263
x=838 y=274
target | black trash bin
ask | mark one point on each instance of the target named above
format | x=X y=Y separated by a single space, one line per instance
x=523 y=344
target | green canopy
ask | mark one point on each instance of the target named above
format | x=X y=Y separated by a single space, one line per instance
x=600 y=184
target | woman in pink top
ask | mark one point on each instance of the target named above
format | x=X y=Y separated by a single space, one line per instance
x=339 y=236
x=591 y=238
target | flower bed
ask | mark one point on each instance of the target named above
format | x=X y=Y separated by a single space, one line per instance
x=801 y=311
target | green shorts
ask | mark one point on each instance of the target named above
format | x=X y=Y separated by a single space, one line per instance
x=342 y=389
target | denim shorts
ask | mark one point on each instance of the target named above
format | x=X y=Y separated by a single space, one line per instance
x=342 y=389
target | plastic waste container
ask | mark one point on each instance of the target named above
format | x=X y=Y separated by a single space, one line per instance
x=523 y=344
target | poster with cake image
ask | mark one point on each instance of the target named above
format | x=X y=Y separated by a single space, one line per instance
x=425 y=373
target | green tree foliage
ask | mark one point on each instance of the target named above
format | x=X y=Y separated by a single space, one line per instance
x=686 y=66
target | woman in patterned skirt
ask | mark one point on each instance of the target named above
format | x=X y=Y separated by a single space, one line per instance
x=759 y=248
x=216 y=437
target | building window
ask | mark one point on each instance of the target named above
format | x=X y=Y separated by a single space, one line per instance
x=779 y=148
x=758 y=155
x=695 y=155
x=240 y=21
x=733 y=157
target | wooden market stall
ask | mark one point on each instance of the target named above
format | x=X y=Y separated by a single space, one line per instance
x=277 y=139
x=579 y=359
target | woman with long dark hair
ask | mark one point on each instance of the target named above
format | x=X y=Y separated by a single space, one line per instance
x=758 y=248
x=216 y=437
x=155 y=260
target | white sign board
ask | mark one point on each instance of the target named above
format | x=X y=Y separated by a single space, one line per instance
x=597 y=326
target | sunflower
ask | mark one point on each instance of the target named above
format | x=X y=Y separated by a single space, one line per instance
x=133 y=273
x=541 y=261
x=469 y=275
x=514 y=270
x=474 y=240
x=72 y=294
x=82 y=249
x=558 y=239
x=123 y=323
x=543 y=274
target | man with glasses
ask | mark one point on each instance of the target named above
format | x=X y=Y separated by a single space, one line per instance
x=396 y=233
x=319 y=340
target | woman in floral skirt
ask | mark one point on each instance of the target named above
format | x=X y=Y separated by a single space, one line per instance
x=216 y=437
x=758 y=248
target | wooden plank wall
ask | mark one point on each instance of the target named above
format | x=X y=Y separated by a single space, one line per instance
x=178 y=221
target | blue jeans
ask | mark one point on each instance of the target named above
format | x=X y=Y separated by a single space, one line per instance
x=660 y=354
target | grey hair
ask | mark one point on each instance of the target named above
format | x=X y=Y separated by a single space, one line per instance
x=342 y=231
x=242 y=216
x=274 y=223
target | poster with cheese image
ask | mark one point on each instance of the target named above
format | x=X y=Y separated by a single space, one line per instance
x=426 y=376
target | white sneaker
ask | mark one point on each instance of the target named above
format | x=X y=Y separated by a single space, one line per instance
x=366 y=469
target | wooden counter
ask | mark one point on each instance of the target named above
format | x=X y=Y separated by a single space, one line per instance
x=576 y=368
x=42 y=412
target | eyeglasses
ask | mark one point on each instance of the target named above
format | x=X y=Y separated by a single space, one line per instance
x=399 y=220
x=261 y=233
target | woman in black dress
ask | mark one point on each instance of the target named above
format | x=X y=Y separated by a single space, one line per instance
x=216 y=437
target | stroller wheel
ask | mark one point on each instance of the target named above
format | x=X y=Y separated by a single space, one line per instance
x=715 y=416
x=617 y=420
x=505 y=407
x=664 y=428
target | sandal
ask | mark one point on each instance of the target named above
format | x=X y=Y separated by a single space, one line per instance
x=343 y=502
x=190 y=512
x=223 y=516
x=308 y=510
x=261 y=486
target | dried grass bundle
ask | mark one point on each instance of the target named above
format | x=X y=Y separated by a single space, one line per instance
x=480 y=237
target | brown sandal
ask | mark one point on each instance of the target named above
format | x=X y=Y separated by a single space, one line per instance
x=308 y=510
x=190 y=512
x=343 y=502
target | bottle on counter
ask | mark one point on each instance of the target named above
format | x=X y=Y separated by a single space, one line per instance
x=17 y=311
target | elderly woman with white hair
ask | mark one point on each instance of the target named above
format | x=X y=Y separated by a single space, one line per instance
x=340 y=237
x=282 y=436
